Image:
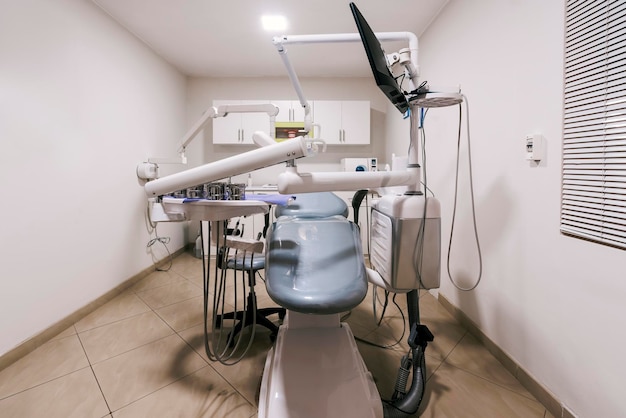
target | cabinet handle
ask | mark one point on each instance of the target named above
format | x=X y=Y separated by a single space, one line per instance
x=242 y=134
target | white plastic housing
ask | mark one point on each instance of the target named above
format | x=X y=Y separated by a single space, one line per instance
x=406 y=241
x=315 y=370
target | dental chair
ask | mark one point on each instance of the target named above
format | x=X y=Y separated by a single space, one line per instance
x=315 y=268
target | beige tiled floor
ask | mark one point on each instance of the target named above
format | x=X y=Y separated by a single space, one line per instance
x=142 y=355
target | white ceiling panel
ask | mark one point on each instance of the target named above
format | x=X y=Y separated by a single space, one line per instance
x=225 y=38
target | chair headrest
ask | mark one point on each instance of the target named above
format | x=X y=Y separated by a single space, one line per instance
x=314 y=205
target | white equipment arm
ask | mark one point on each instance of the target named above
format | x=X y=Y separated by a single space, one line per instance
x=291 y=181
x=231 y=166
x=217 y=112
x=410 y=63
x=222 y=111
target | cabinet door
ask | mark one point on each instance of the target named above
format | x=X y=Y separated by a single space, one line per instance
x=355 y=122
x=284 y=112
x=297 y=111
x=237 y=128
x=252 y=122
x=327 y=118
x=290 y=110
x=227 y=130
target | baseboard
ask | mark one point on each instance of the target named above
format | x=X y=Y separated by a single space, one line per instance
x=542 y=394
x=52 y=331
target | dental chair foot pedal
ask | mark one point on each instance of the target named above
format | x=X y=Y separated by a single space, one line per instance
x=420 y=336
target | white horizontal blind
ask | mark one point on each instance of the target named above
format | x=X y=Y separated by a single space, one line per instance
x=593 y=202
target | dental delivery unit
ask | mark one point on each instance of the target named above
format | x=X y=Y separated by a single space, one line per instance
x=312 y=256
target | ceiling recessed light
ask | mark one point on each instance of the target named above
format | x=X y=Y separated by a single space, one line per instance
x=274 y=22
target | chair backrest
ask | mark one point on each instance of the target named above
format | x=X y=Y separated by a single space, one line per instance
x=314 y=260
x=315 y=265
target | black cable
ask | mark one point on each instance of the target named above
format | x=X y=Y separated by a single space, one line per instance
x=387 y=346
x=456 y=186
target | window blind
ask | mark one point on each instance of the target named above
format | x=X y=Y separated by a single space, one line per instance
x=593 y=198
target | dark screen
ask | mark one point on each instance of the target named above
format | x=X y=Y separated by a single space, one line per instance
x=378 y=63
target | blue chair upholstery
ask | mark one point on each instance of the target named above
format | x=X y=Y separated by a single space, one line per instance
x=315 y=265
x=314 y=205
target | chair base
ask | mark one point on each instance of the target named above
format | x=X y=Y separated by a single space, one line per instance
x=250 y=318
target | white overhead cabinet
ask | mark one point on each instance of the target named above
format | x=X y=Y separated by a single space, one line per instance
x=237 y=128
x=289 y=110
x=342 y=122
x=336 y=122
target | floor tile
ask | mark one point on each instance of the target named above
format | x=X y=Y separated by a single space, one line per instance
x=169 y=294
x=75 y=395
x=189 y=266
x=185 y=314
x=146 y=348
x=54 y=359
x=110 y=340
x=195 y=338
x=202 y=394
x=470 y=355
x=446 y=330
x=121 y=307
x=452 y=393
x=157 y=279
x=362 y=317
x=68 y=332
x=384 y=365
x=392 y=332
x=246 y=375
x=139 y=372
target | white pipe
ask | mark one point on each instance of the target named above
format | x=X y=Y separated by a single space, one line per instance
x=410 y=37
x=297 y=86
x=231 y=166
x=281 y=41
x=291 y=181
x=195 y=129
x=224 y=110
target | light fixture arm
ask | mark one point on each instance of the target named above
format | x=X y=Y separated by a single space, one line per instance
x=410 y=64
x=223 y=111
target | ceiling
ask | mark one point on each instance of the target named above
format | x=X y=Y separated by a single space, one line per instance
x=225 y=38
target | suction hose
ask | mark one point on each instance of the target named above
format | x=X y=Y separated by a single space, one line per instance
x=410 y=403
x=406 y=404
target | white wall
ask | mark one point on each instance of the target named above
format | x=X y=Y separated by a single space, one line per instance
x=553 y=303
x=81 y=103
x=202 y=92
